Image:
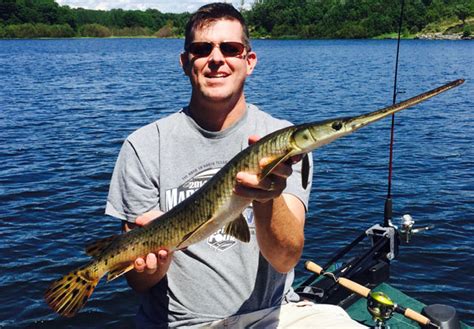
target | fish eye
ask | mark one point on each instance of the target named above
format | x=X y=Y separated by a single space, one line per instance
x=337 y=125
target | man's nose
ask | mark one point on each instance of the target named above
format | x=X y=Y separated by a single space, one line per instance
x=216 y=55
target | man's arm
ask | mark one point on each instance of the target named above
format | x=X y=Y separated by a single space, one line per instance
x=280 y=230
x=153 y=267
x=279 y=218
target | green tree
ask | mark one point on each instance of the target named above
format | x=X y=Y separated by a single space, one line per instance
x=157 y=19
x=94 y=31
x=9 y=12
x=462 y=12
x=23 y=31
x=467 y=31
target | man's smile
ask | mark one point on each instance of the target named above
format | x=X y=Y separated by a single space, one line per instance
x=217 y=75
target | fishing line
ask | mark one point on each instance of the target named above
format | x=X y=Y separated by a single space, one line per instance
x=388 y=201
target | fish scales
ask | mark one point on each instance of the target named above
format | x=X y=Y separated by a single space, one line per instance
x=212 y=207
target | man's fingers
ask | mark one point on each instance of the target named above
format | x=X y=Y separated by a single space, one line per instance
x=253 y=139
x=296 y=158
x=148 y=265
x=162 y=256
x=139 y=265
x=269 y=183
x=268 y=188
x=151 y=263
x=147 y=217
x=247 y=179
x=256 y=194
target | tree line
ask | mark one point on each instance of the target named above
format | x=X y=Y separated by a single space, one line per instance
x=45 y=18
x=266 y=18
x=352 y=18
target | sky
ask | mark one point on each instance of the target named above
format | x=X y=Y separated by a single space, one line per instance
x=170 y=6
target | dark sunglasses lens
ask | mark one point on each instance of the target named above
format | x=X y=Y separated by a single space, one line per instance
x=200 y=49
x=232 y=48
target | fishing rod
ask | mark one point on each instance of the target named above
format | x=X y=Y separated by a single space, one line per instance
x=379 y=305
x=388 y=200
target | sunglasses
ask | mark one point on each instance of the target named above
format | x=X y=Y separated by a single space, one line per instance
x=227 y=48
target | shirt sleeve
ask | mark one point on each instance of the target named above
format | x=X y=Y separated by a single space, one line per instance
x=133 y=189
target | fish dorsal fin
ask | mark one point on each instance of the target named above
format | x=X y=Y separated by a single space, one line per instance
x=96 y=248
x=305 y=171
x=238 y=228
x=119 y=270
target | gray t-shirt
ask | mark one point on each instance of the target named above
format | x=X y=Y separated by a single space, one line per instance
x=159 y=166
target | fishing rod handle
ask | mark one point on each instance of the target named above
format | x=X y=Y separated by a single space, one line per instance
x=346 y=283
x=313 y=267
x=354 y=287
x=415 y=316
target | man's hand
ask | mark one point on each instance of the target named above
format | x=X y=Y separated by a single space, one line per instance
x=270 y=187
x=154 y=265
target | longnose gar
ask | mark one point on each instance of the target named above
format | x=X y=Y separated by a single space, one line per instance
x=213 y=206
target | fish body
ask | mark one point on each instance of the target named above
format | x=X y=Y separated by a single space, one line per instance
x=212 y=207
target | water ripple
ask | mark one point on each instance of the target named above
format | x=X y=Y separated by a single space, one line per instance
x=67 y=105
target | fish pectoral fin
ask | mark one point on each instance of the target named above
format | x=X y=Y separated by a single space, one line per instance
x=96 y=248
x=269 y=167
x=190 y=237
x=305 y=171
x=119 y=270
x=239 y=229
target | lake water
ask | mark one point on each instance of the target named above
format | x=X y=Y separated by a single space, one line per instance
x=67 y=105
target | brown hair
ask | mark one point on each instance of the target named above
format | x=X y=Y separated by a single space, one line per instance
x=210 y=13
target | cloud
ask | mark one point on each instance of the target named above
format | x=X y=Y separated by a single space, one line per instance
x=162 y=5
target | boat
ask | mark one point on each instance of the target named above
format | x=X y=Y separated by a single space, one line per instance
x=356 y=276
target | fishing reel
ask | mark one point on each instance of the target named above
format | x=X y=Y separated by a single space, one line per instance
x=407 y=228
x=381 y=307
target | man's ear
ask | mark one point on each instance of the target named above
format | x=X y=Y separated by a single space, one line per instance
x=251 y=59
x=185 y=62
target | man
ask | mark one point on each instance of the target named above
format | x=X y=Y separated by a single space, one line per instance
x=219 y=281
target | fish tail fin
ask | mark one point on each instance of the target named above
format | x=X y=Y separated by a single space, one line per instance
x=68 y=295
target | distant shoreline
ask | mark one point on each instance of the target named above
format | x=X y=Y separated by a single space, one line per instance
x=427 y=36
x=441 y=36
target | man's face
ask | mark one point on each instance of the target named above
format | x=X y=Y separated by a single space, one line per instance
x=217 y=78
